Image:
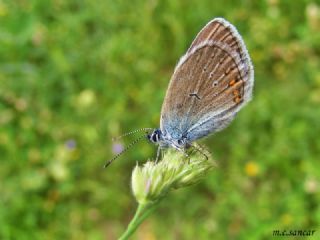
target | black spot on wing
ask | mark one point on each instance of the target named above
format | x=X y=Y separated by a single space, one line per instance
x=194 y=95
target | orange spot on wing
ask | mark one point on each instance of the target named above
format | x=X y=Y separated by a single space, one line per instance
x=234 y=87
x=232 y=82
x=237 y=99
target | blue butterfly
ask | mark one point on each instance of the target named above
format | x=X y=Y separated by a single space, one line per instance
x=210 y=84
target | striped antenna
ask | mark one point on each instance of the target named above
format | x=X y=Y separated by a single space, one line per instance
x=129 y=133
x=123 y=151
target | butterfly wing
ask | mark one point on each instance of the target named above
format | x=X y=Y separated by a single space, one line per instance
x=210 y=83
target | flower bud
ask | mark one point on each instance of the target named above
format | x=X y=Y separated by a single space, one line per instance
x=153 y=181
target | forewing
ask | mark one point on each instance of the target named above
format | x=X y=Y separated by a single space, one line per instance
x=210 y=84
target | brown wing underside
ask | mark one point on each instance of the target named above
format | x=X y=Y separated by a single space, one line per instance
x=208 y=81
x=202 y=87
x=217 y=31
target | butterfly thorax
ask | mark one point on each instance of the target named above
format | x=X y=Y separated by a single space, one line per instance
x=165 y=140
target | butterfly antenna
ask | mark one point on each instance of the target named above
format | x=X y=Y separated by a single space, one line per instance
x=132 y=132
x=123 y=151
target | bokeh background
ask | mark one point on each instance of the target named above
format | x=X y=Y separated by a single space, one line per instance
x=75 y=73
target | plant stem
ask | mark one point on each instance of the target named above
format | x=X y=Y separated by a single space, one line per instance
x=143 y=211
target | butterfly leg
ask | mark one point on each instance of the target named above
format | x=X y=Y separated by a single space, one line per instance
x=200 y=150
x=158 y=154
x=186 y=155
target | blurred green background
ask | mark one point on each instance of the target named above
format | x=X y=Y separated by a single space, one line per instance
x=75 y=73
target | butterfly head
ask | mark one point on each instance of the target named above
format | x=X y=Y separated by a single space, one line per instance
x=155 y=136
x=166 y=140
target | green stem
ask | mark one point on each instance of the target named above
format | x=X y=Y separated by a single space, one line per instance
x=143 y=211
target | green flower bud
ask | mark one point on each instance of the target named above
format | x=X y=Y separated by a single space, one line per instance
x=153 y=181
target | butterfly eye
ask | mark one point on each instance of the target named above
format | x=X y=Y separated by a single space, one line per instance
x=179 y=142
x=155 y=138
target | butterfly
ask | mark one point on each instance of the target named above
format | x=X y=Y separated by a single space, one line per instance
x=209 y=86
